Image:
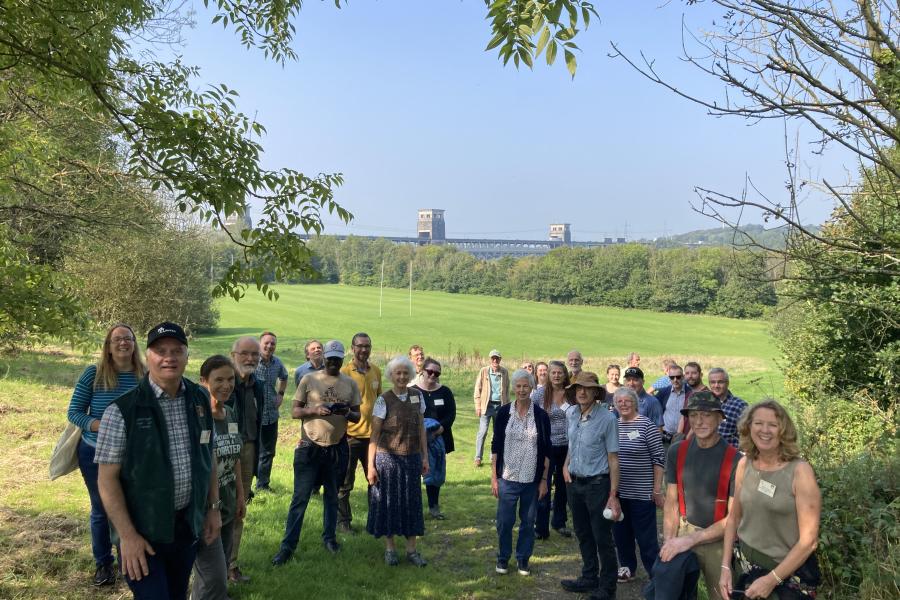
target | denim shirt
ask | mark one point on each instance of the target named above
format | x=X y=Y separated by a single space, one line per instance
x=591 y=439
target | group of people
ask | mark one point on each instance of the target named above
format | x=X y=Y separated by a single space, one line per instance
x=740 y=507
x=169 y=465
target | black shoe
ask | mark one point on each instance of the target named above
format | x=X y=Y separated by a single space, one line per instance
x=502 y=566
x=542 y=536
x=563 y=531
x=332 y=546
x=263 y=488
x=105 y=575
x=282 y=557
x=580 y=585
x=522 y=567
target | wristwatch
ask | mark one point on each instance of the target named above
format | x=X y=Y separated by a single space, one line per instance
x=217 y=505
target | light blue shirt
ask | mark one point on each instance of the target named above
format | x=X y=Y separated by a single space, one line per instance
x=496 y=379
x=591 y=438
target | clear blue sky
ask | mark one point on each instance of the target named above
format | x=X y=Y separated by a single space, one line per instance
x=401 y=98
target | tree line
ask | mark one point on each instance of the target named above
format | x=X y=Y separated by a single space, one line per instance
x=688 y=280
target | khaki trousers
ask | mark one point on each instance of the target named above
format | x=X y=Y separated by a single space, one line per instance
x=709 y=556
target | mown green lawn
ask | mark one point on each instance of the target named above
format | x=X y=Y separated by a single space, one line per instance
x=44 y=536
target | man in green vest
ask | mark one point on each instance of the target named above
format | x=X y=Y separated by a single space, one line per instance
x=157 y=478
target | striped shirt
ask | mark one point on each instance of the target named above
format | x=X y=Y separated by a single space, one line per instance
x=640 y=448
x=559 y=424
x=111 y=440
x=87 y=404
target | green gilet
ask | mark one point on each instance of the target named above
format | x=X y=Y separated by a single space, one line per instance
x=146 y=471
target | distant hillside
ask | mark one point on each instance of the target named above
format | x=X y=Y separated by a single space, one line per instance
x=773 y=238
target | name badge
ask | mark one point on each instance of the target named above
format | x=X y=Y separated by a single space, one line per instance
x=766 y=488
x=232 y=428
x=438 y=401
x=374 y=385
x=414 y=399
x=204 y=436
x=633 y=435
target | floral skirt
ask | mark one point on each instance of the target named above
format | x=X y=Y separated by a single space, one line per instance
x=395 y=502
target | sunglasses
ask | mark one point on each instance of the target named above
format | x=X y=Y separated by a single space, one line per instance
x=433 y=373
x=676 y=377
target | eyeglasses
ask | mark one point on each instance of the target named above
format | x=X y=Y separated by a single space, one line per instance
x=119 y=340
x=676 y=377
x=433 y=373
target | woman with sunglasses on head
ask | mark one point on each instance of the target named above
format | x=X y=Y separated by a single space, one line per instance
x=440 y=406
x=118 y=370
x=613 y=373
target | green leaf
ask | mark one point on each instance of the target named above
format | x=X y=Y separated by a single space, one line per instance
x=571 y=64
x=551 y=52
x=542 y=41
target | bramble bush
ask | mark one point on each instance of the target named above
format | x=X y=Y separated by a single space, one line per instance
x=853 y=445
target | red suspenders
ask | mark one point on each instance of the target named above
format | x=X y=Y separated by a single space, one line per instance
x=724 y=480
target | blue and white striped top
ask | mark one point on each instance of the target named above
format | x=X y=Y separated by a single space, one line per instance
x=640 y=448
x=87 y=404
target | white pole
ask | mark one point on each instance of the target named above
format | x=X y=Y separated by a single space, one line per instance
x=381 y=290
x=410 y=286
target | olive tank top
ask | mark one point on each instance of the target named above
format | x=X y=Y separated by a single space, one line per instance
x=769 y=510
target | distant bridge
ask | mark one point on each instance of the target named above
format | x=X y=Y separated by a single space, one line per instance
x=489 y=248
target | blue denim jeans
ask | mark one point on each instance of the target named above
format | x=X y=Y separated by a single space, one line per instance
x=314 y=464
x=639 y=524
x=268 y=438
x=511 y=494
x=100 y=544
x=484 y=425
x=170 y=567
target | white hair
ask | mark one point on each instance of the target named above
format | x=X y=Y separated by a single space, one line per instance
x=397 y=362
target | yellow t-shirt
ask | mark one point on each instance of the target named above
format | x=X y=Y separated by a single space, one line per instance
x=369 y=384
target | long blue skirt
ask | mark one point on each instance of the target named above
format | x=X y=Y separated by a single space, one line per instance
x=395 y=503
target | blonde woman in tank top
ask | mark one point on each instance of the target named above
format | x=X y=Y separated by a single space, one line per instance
x=773 y=524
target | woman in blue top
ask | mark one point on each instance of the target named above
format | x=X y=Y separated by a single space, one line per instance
x=118 y=370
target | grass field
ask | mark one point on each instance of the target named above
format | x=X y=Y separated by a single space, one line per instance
x=44 y=535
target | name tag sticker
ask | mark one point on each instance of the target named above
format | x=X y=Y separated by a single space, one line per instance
x=232 y=428
x=414 y=399
x=204 y=436
x=633 y=435
x=438 y=401
x=375 y=385
x=766 y=488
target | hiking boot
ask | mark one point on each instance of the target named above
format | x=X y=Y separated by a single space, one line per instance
x=105 y=575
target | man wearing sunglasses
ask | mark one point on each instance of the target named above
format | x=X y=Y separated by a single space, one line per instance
x=673 y=400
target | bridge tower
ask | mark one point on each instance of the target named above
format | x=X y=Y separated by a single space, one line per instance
x=430 y=227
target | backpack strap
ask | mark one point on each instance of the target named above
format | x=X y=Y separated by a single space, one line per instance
x=679 y=475
x=724 y=481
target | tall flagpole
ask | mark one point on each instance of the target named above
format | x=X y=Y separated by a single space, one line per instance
x=410 y=286
x=381 y=289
